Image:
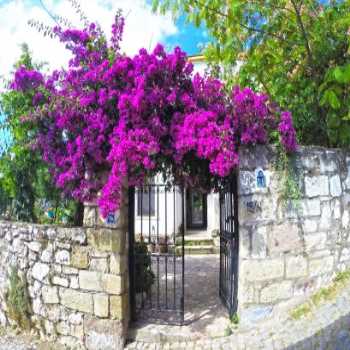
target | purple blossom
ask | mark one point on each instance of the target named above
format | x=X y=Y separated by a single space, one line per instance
x=109 y=118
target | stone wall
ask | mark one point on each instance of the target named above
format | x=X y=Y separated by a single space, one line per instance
x=288 y=251
x=77 y=280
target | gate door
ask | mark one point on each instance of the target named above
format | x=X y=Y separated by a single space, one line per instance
x=228 y=285
x=156 y=253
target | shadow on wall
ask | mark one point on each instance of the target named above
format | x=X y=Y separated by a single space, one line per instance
x=334 y=336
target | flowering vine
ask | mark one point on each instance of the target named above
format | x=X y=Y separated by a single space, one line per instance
x=109 y=118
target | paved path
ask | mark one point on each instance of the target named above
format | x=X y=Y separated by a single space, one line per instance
x=327 y=328
x=205 y=316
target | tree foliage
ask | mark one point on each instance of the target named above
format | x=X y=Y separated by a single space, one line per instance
x=26 y=187
x=295 y=50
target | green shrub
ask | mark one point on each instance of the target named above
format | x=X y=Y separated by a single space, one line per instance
x=17 y=300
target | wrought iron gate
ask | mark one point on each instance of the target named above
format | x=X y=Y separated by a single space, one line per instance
x=156 y=256
x=229 y=236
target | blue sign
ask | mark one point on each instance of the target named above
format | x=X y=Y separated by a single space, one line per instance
x=110 y=219
x=261 y=179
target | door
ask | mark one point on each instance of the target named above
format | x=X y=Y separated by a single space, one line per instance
x=196 y=208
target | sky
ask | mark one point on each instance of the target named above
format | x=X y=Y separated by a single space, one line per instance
x=143 y=28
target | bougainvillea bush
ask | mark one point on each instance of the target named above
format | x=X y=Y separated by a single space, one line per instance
x=108 y=119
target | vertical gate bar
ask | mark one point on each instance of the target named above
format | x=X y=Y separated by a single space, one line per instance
x=149 y=234
x=157 y=237
x=183 y=254
x=149 y=213
x=232 y=255
x=174 y=213
x=158 y=307
x=142 y=293
x=166 y=235
x=220 y=213
x=236 y=235
x=157 y=212
x=141 y=210
x=131 y=229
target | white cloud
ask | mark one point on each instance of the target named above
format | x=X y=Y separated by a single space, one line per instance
x=143 y=28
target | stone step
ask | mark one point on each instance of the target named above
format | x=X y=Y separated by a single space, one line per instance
x=198 y=250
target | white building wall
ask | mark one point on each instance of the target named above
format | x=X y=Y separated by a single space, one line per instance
x=167 y=221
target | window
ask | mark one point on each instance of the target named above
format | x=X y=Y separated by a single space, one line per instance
x=146 y=201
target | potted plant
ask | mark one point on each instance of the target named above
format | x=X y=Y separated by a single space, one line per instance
x=143 y=268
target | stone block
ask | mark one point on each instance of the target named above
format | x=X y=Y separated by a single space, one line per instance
x=345 y=254
x=34 y=246
x=40 y=271
x=296 y=266
x=63 y=328
x=262 y=269
x=67 y=270
x=316 y=241
x=60 y=281
x=284 y=238
x=99 y=265
x=311 y=207
x=276 y=292
x=316 y=186
x=328 y=162
x=69 y=342
x=50 y=295
x=80 y=257
x=259 y=241
x=75 y=318
x=321 y=266
x=113 y=284
x=326 y=216
x=254 y=314
x=309 y=225
x=119 y=306
x=78 y=235
x=62 y=257
x=100 y=282
x=101 y=306
x=335 y=186
x=103 y=334
x=91 y=280
x=246 y=183
x=53 y=312
x=76 y=300
x=46 y=255
x=107 y=240
x=90 y=215
x=49 y=327
x=78 y=331
x=117 y=264
x=74 y=282
x=345 y=219
x=336 y=208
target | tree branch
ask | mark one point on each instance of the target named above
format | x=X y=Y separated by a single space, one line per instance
x=303 y=33
x=251 y=29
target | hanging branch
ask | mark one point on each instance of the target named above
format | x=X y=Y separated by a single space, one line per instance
x=82 y=16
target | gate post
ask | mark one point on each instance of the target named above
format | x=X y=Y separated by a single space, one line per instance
x=107 y=275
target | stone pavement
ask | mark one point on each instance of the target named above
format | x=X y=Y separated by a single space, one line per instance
x=205 y=316
x=326 y=328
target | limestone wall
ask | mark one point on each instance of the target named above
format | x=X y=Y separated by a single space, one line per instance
x=287 y=251
x=76 y=278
